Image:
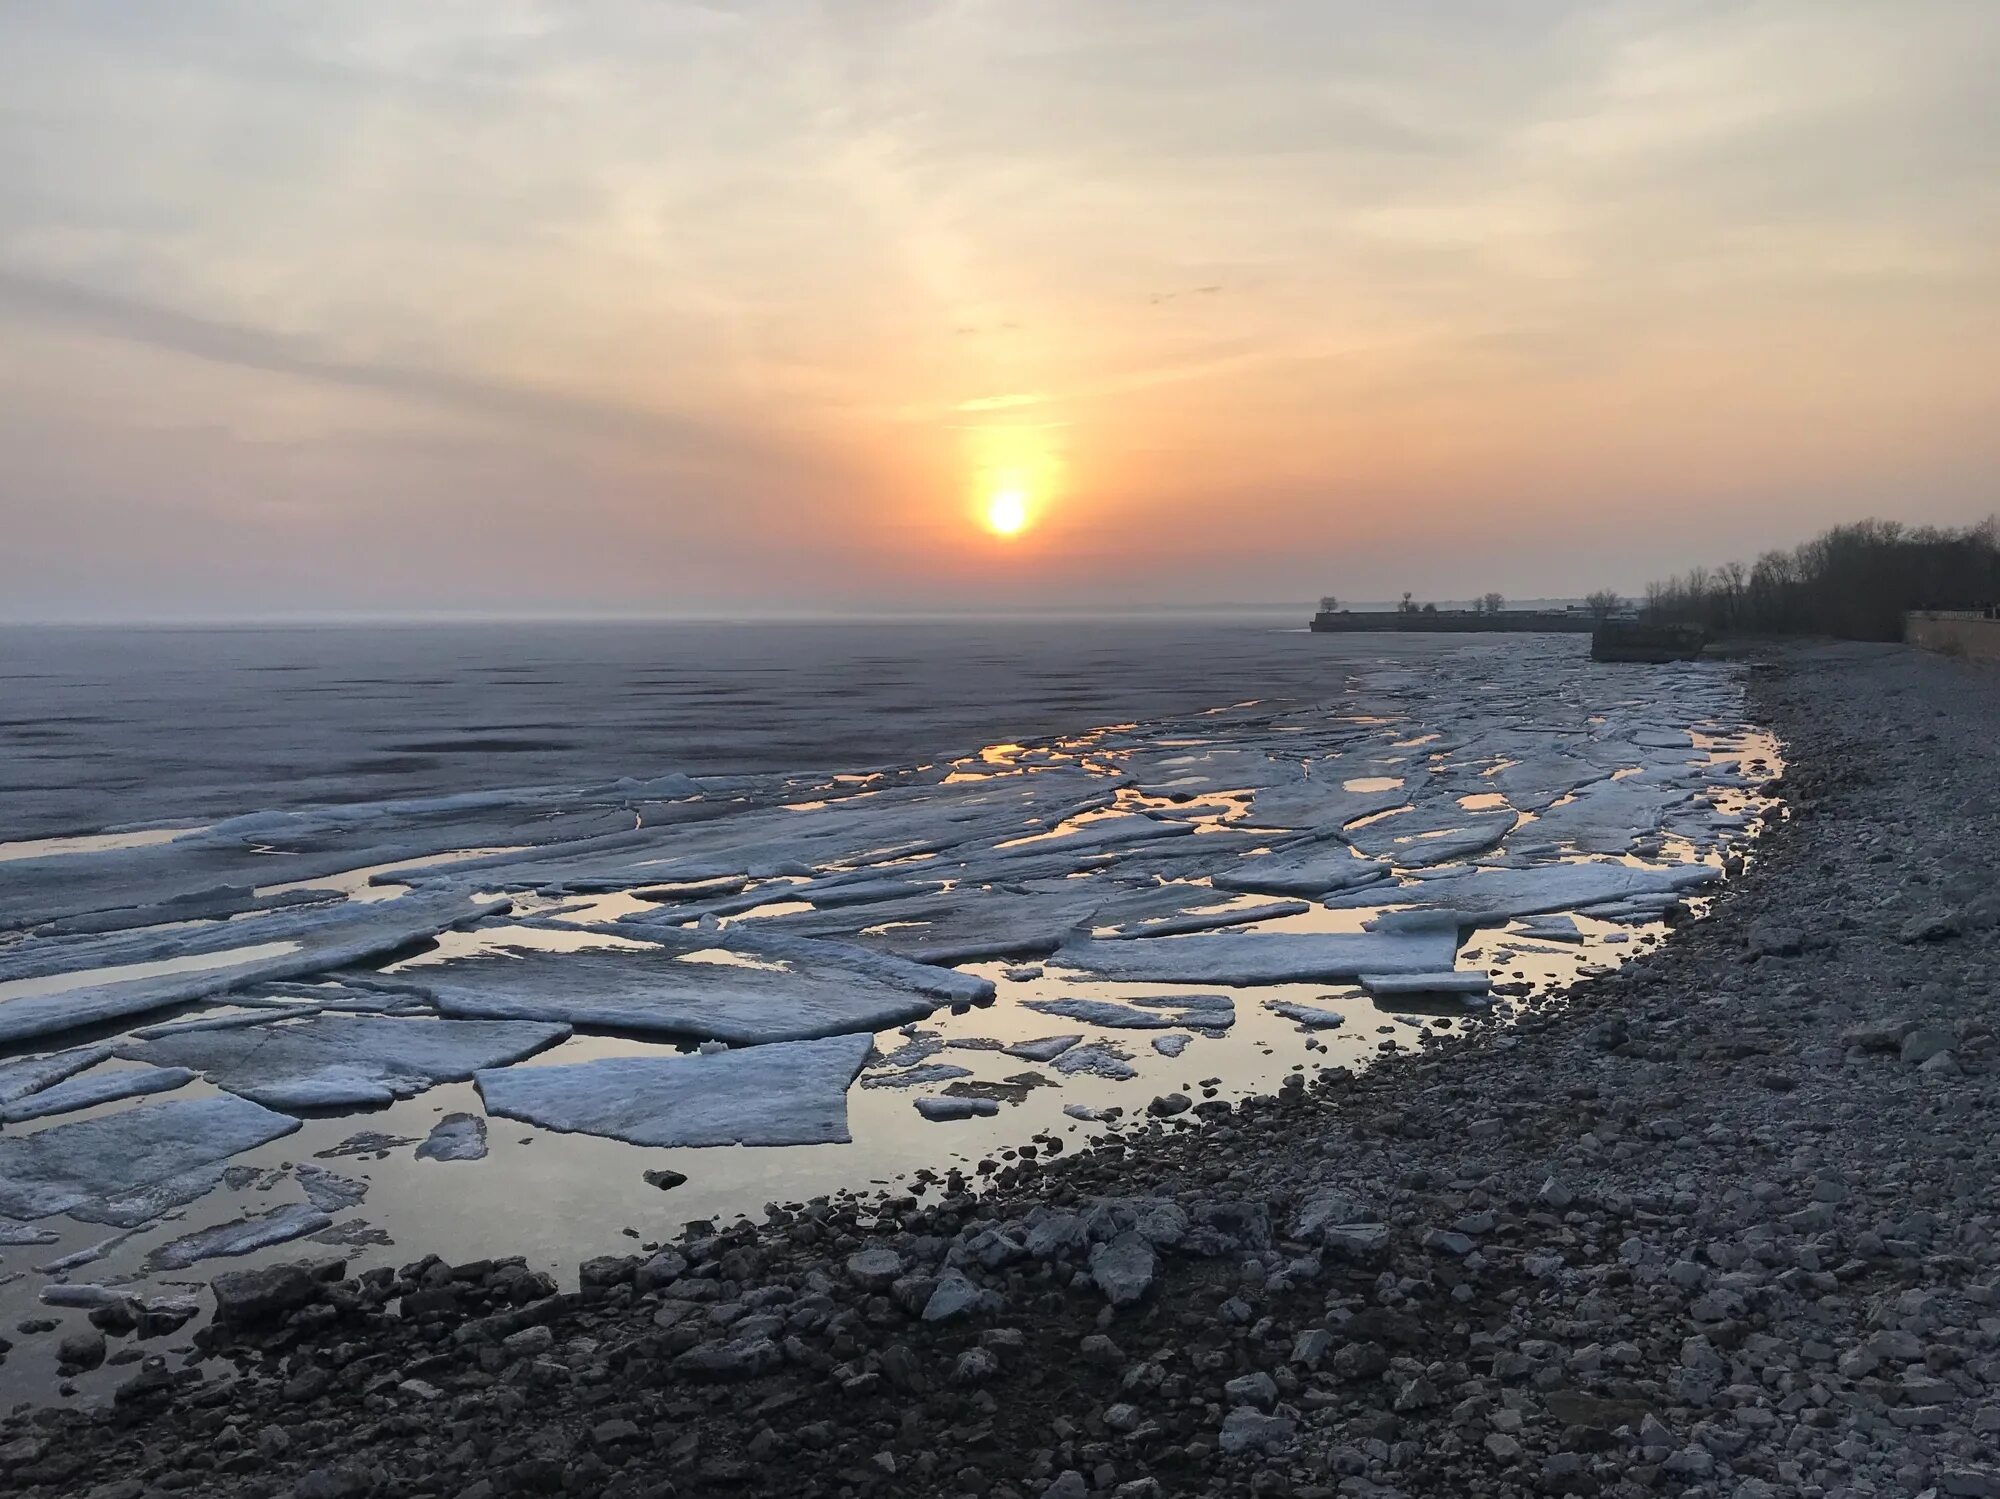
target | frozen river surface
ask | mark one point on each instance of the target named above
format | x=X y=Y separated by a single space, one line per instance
x=379 y=942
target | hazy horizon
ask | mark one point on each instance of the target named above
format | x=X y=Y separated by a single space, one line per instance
x=685 y=310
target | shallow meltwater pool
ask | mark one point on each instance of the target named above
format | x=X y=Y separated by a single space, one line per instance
x=562 y=1020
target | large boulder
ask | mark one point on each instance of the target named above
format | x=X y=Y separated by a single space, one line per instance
x=247 y=1298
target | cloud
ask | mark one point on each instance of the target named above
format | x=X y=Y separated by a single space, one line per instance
x=113 y=315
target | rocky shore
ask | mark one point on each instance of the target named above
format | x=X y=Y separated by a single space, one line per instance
x=1724 y=1224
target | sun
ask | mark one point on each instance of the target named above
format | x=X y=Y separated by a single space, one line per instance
x=1007 y=512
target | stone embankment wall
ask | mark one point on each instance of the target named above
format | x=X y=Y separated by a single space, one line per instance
x=1955 y=632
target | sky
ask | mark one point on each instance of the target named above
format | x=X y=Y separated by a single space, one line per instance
x=635 y=306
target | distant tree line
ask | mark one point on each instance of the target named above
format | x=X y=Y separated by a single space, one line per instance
x=1855 y=582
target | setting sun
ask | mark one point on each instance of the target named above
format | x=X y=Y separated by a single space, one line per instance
x=1007 y=512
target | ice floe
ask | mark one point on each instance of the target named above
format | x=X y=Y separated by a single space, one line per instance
x=658 y=991
x=786 y=1093
x=1261 y=957
x=240 y=1236
x=333 y=1060
x=96 y=1088
x=456 y=1137
x=1455 y=981
x=114 y=1161
x=1489 y=896
x=1201 y=1012
x=282 y=945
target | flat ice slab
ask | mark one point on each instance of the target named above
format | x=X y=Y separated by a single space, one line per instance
x=1261 y=957
x=1456 y=981
x=1494 y=895
x=456 y=1137
x=97 y=1088
x=744 y=999
x=1202 y=1012
x=788 y=1093
x=1315 y=870
x=241 y=1236
x=120 y=1156
x=333 y=1060
x=274 y=945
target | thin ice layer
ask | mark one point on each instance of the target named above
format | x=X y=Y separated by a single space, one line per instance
x=1262 y=957
x=334 y=1060
x=788 y=1093
x=240 y=1236
x=120 y=1156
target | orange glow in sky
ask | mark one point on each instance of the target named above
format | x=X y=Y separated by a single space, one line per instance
x=637 y=308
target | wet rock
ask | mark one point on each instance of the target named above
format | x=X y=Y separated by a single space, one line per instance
x=81 y=1350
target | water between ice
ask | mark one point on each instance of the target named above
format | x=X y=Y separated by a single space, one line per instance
x=655 y=956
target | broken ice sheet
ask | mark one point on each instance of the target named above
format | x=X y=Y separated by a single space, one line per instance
x=335 y=1060
x=1491 y=896
x=1261 y=957
x=739 y=998
x=1610 y=816
x=456 y=1137
x=1431 y=835
x=276 y=945
x=93 y=1089
x=1202 y=1012
x=1312 y=869
x=240 y=1236
x=1098 y=1060
x=785 y=1093
x=970 y=923
x=1327 y=805
x=117 y=1158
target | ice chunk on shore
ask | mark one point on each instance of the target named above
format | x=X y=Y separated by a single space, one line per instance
x=1490 y=896
x=241 y=1236
x=1456 y=981
x=660 y=991
x=456 y=1137
x=99 y=1087
x=67 y=1168
x=1312 y=1017
x=334 y=1060
x=787 y=1093
x=1262 y=957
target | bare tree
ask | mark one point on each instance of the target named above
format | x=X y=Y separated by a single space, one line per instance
x=1328 y=604
x=1406 y=607
x=1492 y=603
x=1855 y=581
x=1603 y=604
